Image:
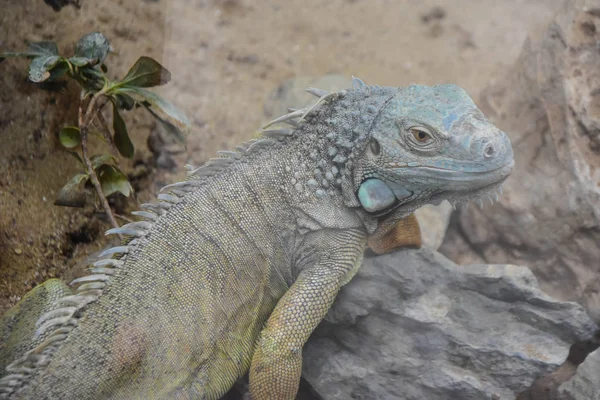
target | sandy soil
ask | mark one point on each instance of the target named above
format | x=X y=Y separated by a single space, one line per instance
x=226 y=58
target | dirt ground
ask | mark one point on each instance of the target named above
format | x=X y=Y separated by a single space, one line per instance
x=226 y=57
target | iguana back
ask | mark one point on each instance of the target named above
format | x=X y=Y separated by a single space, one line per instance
x=182 y=314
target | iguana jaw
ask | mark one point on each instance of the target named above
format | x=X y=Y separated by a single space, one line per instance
x=486 y=185
x=459 y=187
x=457 y=181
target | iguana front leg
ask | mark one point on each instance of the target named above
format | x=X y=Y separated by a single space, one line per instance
x=277 y=361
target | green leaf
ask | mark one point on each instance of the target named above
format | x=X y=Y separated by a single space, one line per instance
x=72 y=194
x=160 y=108
x=124 y=101
x=45 y=57
x=40 y=67
x=121 y=137
x=43 y=49
x=104 y=68
x=93 y=46
x=170 y=128
x=146 y=72
x=99 y=160
x=90 y=79
x=58 y=70
x=80 y=61
x=53 y=83
x=113 y=180
x=69 y=137
x=91 y=73
x=36 y=49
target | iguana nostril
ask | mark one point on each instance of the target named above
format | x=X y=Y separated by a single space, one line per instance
x=488 y=151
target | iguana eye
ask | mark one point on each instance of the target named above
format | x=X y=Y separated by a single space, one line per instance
x=374 y=146
x=420 y=135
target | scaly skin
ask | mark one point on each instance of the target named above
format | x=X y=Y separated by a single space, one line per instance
x=18 y=324
x=235 y=267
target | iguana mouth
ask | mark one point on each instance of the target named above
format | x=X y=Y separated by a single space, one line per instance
x=490 y=191
x=463 y=187
x=455 y=180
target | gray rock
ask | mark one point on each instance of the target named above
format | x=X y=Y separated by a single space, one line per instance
x=413 y=325
x=433 y=220
x=585 y=384
x=549 y=216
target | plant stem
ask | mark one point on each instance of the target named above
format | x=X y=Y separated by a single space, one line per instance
x=88 y=117
x=106 y=133
x=83 y=127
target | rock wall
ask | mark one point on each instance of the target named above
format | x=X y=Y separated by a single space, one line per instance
x=585 y=384
x=549 y=216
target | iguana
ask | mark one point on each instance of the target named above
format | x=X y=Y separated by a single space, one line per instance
x=234 y=267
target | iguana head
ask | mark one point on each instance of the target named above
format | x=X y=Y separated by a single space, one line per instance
x=425 y=145
x=391 y=150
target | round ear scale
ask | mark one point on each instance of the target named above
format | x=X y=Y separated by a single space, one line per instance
x=374 y=195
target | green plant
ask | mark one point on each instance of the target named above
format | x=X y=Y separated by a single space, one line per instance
x=87 y=68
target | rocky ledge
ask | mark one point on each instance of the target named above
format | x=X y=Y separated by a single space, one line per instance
x=414 y=325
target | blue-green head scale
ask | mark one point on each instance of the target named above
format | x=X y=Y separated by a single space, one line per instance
x=419 y=144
